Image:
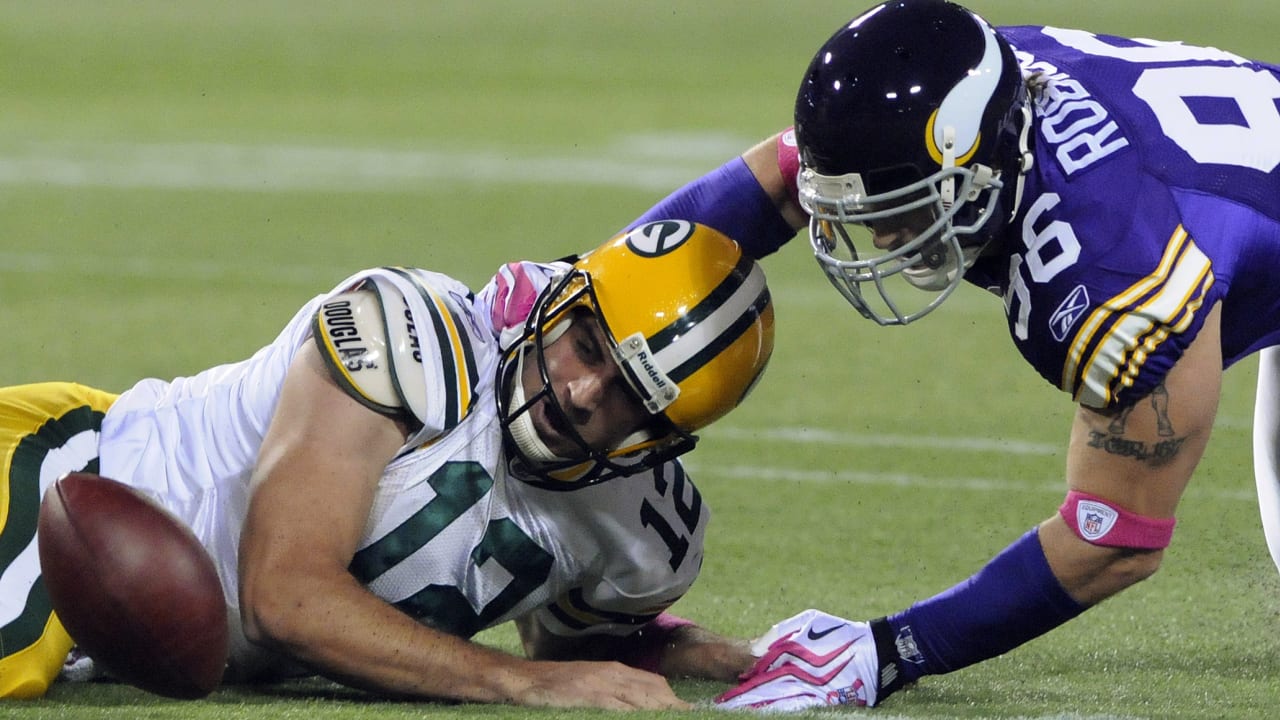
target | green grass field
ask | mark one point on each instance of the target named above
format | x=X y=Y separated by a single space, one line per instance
x=177 y=177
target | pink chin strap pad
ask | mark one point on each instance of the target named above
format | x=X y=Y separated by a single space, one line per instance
x=1101 y=522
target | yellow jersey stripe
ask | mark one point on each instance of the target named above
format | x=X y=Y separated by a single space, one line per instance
x=1088 y=329
x=1174 y=293
x=462 y=369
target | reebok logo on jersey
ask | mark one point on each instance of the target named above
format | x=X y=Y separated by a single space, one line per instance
x=1095 y=519
x=1071 y=309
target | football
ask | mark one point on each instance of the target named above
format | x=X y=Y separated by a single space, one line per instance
x=133 y=586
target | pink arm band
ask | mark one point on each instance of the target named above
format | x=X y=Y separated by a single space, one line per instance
x=1101 y=522
x=789 y=163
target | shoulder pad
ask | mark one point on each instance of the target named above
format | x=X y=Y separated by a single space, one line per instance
x=350 y=329
x=410 y=349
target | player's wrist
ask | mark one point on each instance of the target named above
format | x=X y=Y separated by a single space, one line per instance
x=695 y=652
x=889 y=676
x=502 y=678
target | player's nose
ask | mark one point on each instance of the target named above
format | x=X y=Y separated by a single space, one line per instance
x=889 y=238
x=586 y=393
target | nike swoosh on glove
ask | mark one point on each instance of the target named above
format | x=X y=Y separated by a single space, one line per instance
x=810 y=660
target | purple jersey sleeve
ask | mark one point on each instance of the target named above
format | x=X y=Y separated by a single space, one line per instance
x=730 y=200
x=1154 y=196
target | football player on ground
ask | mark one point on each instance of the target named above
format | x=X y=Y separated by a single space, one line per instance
x=1122 y=198
x=410 y=463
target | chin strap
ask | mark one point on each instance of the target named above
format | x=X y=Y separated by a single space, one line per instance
x=523 y=433
x=947 y=188
x=1025 y=159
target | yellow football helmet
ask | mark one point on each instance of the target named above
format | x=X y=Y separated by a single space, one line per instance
x=689 y=321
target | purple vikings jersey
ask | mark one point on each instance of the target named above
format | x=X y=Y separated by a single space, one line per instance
x=1154 y=195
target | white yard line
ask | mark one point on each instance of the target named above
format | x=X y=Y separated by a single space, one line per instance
x=844 y=476
x=813 y=436
x=639 y=162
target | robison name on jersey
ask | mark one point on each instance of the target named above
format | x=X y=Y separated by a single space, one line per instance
x=1155 y=194
x=452 y=538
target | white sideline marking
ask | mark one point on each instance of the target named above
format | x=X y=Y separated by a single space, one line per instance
x=829 y=437
x=860 y=477
x=639 y=162
x=126 y=266
x=911 y=480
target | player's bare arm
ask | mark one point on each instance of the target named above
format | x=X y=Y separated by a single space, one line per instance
x=685 y=651
x=763 y=161
x=1140 y=459
x=312 y=490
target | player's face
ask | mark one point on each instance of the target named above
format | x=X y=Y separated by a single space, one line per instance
x=893 y=232
x=597 y=402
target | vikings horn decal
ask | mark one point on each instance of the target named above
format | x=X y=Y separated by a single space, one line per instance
x=962 y=109
x=659 y=238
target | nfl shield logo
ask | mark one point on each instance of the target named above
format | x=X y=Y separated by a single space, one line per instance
x=1092 y=523
x=1095 y=519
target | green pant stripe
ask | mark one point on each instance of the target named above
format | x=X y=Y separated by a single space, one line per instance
x=24 y=510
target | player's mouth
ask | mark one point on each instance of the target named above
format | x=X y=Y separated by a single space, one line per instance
x=554 y=429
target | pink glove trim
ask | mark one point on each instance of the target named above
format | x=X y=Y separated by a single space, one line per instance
x=757 y=675
x=1101 y=522
x=784 y=646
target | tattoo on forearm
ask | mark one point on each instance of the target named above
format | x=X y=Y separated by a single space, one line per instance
x=1113 y=441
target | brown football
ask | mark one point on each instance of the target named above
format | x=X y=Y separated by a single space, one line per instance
x=133 y=586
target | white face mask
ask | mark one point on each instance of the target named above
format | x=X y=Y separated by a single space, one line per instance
x=523 y=433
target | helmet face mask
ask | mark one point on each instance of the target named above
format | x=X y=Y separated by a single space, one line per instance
x=909 y=279
x=567 y=300
x=686 y=319
x=911 y=122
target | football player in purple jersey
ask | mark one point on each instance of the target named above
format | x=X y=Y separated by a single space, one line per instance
x=1122 y=197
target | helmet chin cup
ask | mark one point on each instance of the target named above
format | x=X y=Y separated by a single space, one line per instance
x=522 y=430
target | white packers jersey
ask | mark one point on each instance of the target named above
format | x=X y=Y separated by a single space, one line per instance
x=452 y=539
x=456 y=541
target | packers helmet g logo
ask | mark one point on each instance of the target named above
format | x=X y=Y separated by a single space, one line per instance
x=659 y=238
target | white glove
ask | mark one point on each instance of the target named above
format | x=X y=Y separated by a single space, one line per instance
x=810 y=660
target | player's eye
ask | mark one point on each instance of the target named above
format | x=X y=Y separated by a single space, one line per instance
x=589 y=350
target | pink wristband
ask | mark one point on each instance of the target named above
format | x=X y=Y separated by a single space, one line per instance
x=650 y=640
x=1100 y=522
x=789 y=163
